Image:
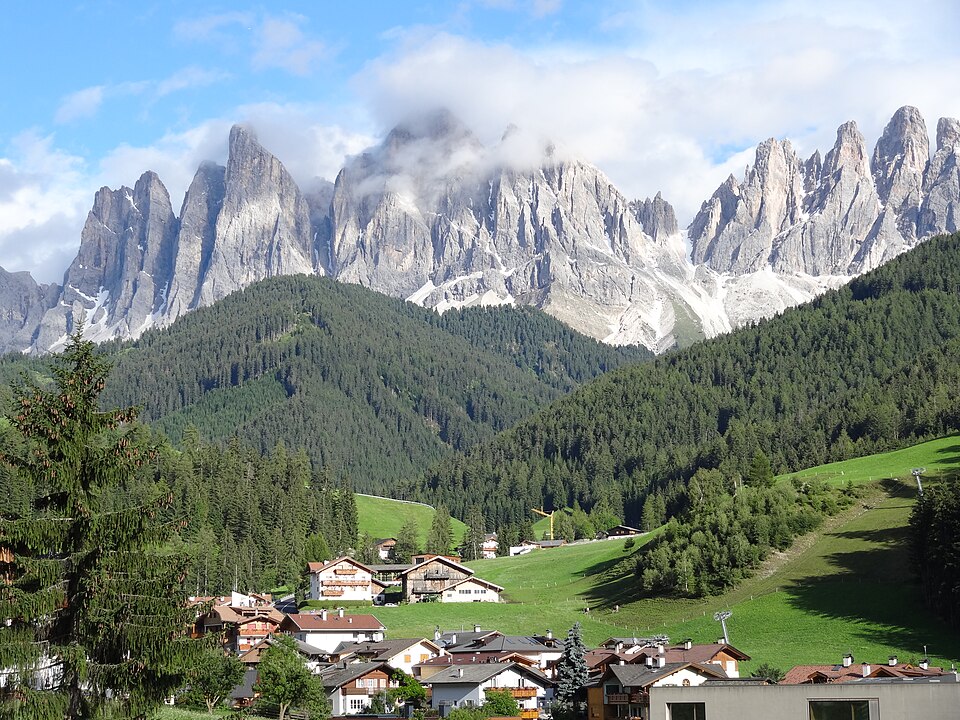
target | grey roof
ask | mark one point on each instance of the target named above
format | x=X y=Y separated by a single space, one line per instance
x=505 y=643
x=245 y=688
x=380 y=650
x=338 y=675
x=642 y=676
x=481 y=672
x=463 y=638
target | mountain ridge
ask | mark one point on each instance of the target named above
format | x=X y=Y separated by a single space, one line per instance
x=433 y=216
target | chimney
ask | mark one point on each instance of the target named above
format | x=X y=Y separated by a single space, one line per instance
x=721 y=641
x=619 y=647
x=459 y=672
x=866 y=669
x=659 y=648
x=453 y=639
x=350 y=620
x=925 y=663
x=476 y=628
x=437 y=634
x=339 y=612
x=661 y=661
x=649 y=660
x=549 y=634
x=847 y=660
x=323 y=614
x=622 y=662
x=688 y=644
x=892 y=661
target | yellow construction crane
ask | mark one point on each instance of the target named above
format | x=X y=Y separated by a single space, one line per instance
x=546 y=515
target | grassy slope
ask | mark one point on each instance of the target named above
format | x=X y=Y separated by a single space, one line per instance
x=383 y=517
x=843 y=589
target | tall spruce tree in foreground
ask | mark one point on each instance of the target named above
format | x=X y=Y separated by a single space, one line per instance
x=571 y=677
x=440 y=536
x=94 y=616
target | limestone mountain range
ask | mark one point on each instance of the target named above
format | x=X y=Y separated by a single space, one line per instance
x=434 y=216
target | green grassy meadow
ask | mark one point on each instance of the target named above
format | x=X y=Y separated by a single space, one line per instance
x=382 y=517
x=845 y=588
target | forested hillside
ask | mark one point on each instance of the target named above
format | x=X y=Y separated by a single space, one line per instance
x=869 y=367
x=371 y=387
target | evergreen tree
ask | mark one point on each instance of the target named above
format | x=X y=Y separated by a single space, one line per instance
x=440 y=536
x=473 y=537
x=760 y=473
x=407 y=543
x=284 y=679
x=213 y=679
x=315 y=549
x=96 y=612
x=571 y=677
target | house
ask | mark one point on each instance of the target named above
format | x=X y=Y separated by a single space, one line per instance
x=342 y=579
x=848 y=671
x=623 y=691
x=542 y=650
x=865 y=699
x=423 y=671
x=401 y=654
x=327 y=631
x=618 y=531
x=386 y=548
x=472 y=590
x=244 y=620
x=438 y=578
x=466 y=685
x=489 y=546
x=647 y=650
x=314 y=658
x=351 y=687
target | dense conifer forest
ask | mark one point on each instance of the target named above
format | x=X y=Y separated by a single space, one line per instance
x=371 y=387
x=872 y=366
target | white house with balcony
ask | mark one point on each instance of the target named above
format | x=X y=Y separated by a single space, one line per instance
x=467 y=685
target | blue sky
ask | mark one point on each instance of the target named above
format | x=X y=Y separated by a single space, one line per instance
x=669 y=96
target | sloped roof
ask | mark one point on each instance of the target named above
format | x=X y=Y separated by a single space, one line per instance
x=252 y=656
x=474 y=674
x=806 y=674
x=464 y=638
x=475 y=579
x=642 y=676
x=481 y=657
x=440 y=559
x=384 y=649
x=315 y=567
x=314 y=622
x=337 y=676
x=505 y=643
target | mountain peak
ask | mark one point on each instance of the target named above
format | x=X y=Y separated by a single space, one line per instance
x=948 y=133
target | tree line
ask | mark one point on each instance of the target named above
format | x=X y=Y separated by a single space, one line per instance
x=867 y=368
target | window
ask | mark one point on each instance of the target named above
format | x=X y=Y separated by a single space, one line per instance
x=840 y=710
x=357 y=704
x=686 y=711
x=406 y=658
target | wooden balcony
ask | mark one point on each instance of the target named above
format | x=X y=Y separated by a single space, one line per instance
x=639 y=698
x=517 y=692
x=331 y=592
x=437 y=575
x=345 y=571
x=618 y=699
x=529 y=714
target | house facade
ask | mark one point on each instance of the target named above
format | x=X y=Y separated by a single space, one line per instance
x=438 y=579
x=401 y=654
x=467 y=685
x=327 y=631
x=472 y=589
x=351 y=688
x=623 y=691
x=342 y=579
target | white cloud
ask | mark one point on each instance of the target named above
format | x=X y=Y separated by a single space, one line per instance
x=80 y=104
x=282 y=44
x=43 y=195
x=211 y=27
x=685 y=93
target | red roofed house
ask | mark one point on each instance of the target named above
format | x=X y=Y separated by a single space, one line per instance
x=847 y=671
x=342 y=579
x=647 y=651
x=328 y=630
x=244 y=621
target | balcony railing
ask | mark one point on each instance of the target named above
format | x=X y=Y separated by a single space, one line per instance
x=529 y=714
x=640 y=698
x=437 y=575
x=618 y=699
x=517 y=692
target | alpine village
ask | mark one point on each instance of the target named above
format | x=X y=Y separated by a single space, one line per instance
x=472 y=436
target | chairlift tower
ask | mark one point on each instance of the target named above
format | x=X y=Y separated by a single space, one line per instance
x=721 y=617
x=546 y=515
x=917 y=472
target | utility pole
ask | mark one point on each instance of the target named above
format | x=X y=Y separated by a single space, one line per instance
x=546 y=515
x=917 y=472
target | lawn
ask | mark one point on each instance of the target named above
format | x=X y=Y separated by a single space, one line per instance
x=382 y=517
x=845 y=588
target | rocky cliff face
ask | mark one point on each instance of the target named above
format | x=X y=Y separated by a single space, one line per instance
x=434 y=216
x=839 y=217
